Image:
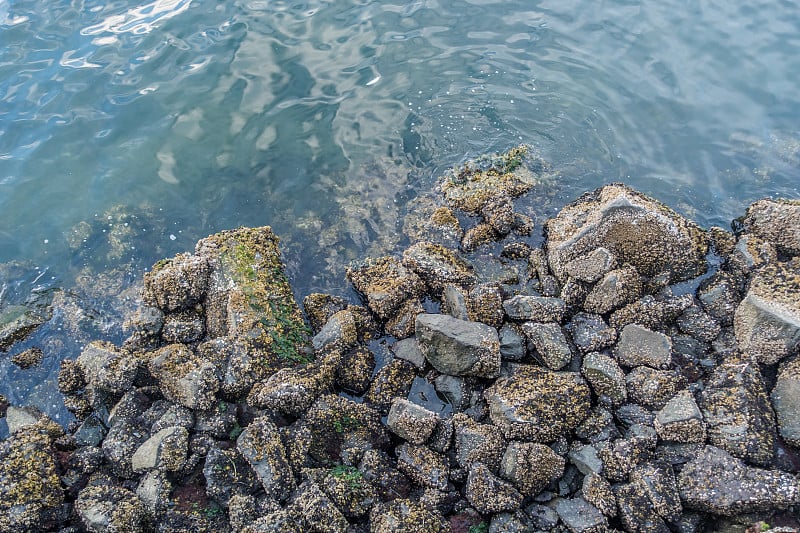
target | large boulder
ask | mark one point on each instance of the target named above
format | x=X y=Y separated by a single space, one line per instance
x=458 y=347
x=635 y=229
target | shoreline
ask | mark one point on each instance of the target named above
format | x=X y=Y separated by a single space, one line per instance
x=561 y=386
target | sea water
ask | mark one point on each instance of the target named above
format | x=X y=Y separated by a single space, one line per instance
x=128 y=130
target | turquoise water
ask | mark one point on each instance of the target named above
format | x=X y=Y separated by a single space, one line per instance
x=128 y=131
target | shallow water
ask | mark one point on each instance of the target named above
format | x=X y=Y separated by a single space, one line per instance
x=129 y=130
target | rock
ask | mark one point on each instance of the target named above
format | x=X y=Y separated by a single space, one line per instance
x=392 y=381
x=320 y=307
x=621 y=456
x=606 y=377
x=617 y=288
x=457 y=347
x=489 y=494
x=423 y=466
x=28 y=358
x=550 y=343
x=402 y=324
x=485 y=305
x=289 y=390
x=122 y=441
x=238 y=367
x=354 y=373
x=652 y=388
x=737 y=411
x=153 y=491
x=542 y=516
x=767 y=321
x=535 y=308
x=108 y=368
x=586 y=459
x=630 y=414
x=715 y=482
x=454 y=389
x=649 y=312
x=411 y=422
x=454 y=302
x=315 y=510
x=184 y=377
x=17 y=322
x=592 y=266
x=379 y=471
x=405 y=515
x=166 y=450
x=476 y=442
x=751 y=253
x=185 y=326
x=695 y=322
x=530 y=467
x=597 y=491
x=786 y=401
x=590 y=333
x=90 y=433
x=538 y=405
x=636 y=511
x=105 y=508
x=438 y=266
x=512 y=344
x=499 y=214
x=260 y=444
x=339 y=333
x=657 y=481
x=176 y=283
x=598 y=426
x=638 y=345
x=777 y=221
x=719 y=296
x=633 y=228
x=580 y=516
x=680 y=420
x=30 y=489
x=227 y=473
x=478 y=235
x=349 y=490
x=510 y=523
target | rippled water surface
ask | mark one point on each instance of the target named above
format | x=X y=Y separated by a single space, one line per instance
x=128 y=131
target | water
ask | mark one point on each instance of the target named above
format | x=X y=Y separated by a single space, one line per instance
x=129 y=130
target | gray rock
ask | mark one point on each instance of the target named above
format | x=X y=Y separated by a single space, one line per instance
x=227 y=473
x=680 y=420
x=586 y=459
x=457 y=347
x=315 y=510
x=606 y=377
x=638 y=345
x=617 y=288
x=19 y=418
x=598 y=426
x=695 y=322
x=550 y=343
x=631 y=413
x=542 y=516
x=289 y=390
x=718 y=483
x=166 y=450
x=354 y=372
x=30 y=490
x=657 y=481
x=405 y=515
x=636 y=511
x=535 y=308
x=260 y=444
x=597 y=491
x=338 y=333
x=590 y=332
x=537 y=404
x=580 y=516
x=455 y=389
x=486 y=304
x=489 y=494
x=767 y=321
x=634 y=228
x=153 y=490
x=719 y=296
x=737 y=411
x=393 y=380
x=592 y=266
x=512 y=344
x=349 y=490
x=218 y=421
x=104 y=508
x=184 y=377
x=650 y=312
x=530 y=467
x=408 y=350
x=423 y=466
x=621 y=456
x=438 y=265
x=786 y=401
x=90 y=433
x=176 y=283
x=120 y=444
x=107 y=367
x=410 y=421
x=173 y=416
x=454 y=302
x=653 y=388
x=777 y=221
x=184 y=326
x=476 y=442
x=381 y=473
x=320 y=307
x=386 y=283
x=511 y=523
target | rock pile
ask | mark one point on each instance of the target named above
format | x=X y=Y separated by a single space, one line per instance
x=570 y=388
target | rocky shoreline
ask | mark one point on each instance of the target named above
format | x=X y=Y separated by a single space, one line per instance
x=634 y=373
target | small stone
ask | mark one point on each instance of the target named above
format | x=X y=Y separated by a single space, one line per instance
x=411 y=422
x=786 y=401
x=184 y=377
x=28 y=358
x=586 y=459
x=438 y=265
x=580 y=516
x=111 y=508
x=166 y=450
x=391 y=381
x=638 y=345
x=653 y=388
x=590 y=332
x=530 y=466
x=535 y=308
x=457 y=347
x=489 y=494
x=617 y=288
x=680 y=420
x=478 y=235
x=649 y=312
x=550 y=343
x=606 y=377
x=485 y=305
x=476 y=442
x=592 y=266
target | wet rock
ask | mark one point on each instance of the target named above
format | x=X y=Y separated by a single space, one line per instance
x=19 y=321
x=320 y=307
x=542 y=516
x=636 y=511
x=786 y=401
x=530 y=467
x=405 y=515
x=597 y=491
x=535 y=308
x=634 y=228
x=767 y=321
x=499 y=214
x=538 y=405
x=184 y=377
x=21 y=419
x=176 y=283
x=455 y=390
x=30 y=489
x=649 y=312
x=457 y=347
x=652 y=388
x=580 y=516
x=592 y=266
x=104 y=508
x=719 y=296
x=411 y=422
x=90 y=433
x=338 y=333
x=776 y=221
x=657 y=481
x=165 y=450
x=680 y=420
x=718 y=483
x=621 y=456
x=631 y=414
x=590 y=333
x=512 y=343
x=289 y=390
x=486 y=305
x=638 y=345
x=423 y=466
x=218 y=421
x=489 y=494
x=750 y=254
x=185 y=326
x=153 y=490
x=28 y=358
x=510 y=523
x=598 y=426
x=476 y=442
x=586 y=459
x=550 y=343
x=614 y=290
x=355 y=371
x=408 y=350
x=120 y=444
x=737 y=411
x=260 y=444
x=438 y=266
x=392 y=381
x=236 y=365
x=574 y=292
x=606 y=377
x=454 y=302
x=695 y=322
x=478 y=235
x=108 y=368
x=402 y=324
